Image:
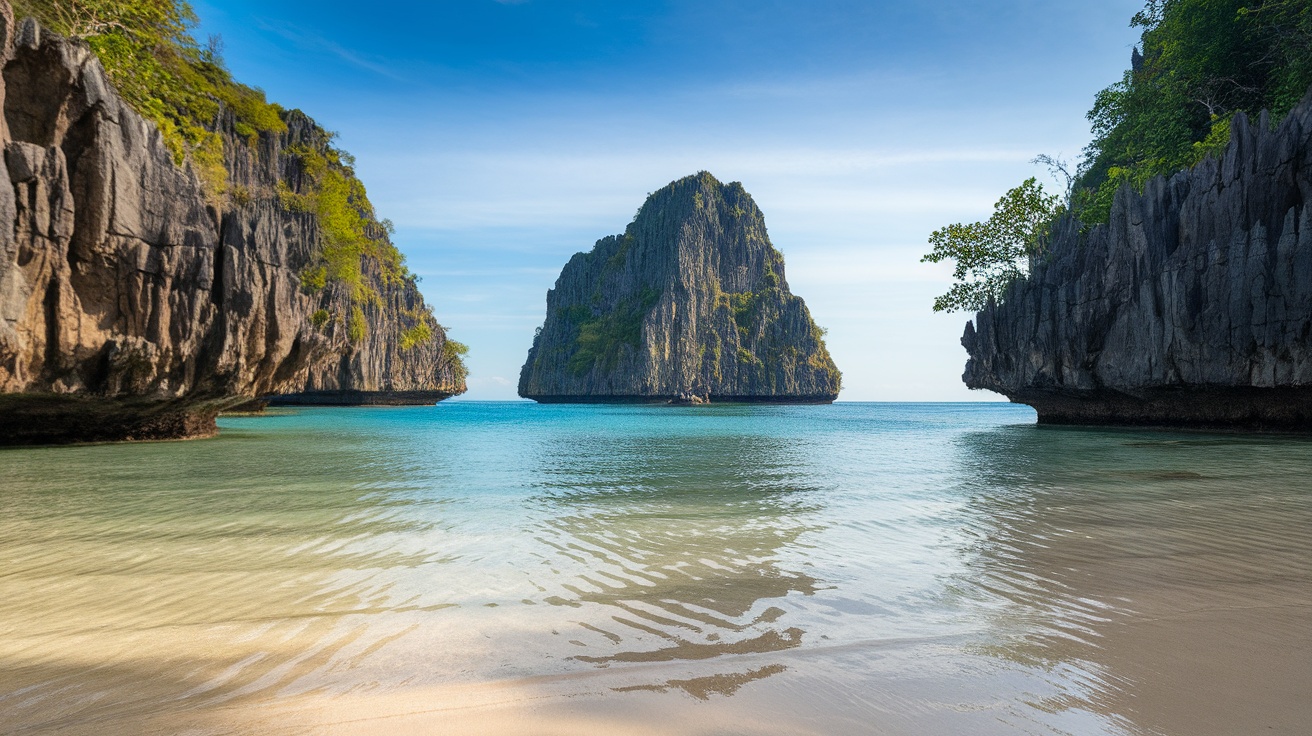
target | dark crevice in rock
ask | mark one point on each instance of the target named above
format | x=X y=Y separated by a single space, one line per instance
x=51 y=306
x=35 y=81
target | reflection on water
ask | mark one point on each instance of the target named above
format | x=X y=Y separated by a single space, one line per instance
x=676 y=545
x=844 y=569
x=1171 y=575
x=703 y=688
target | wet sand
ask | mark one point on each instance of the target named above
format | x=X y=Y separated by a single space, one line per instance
x=825 y=571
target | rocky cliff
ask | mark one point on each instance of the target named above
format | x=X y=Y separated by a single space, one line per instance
x=1193 y=306
x=690 y=303
x=136 y=301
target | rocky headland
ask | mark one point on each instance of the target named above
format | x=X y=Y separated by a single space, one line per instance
x=143 y=288
x=1192 y=307
x=688 y=305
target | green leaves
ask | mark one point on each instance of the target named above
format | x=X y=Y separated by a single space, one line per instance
x=989 y=255
x=357 y=327
x=159 y=69
x=600 y=339
x=453 y=354
x=416 y=335
x=1202 y=62
x=348 y=230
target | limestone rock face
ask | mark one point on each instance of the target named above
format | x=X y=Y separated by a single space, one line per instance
x=1193 y=306
x=135 y=306
x=688 y=304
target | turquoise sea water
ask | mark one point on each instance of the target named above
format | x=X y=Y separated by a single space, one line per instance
x=855 y=568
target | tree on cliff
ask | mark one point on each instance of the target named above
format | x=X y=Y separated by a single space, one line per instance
x=147 y=49
x=1202 y=61
x=991 y=254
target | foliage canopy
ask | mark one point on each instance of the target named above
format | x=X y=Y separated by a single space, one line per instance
x=147 y=49
x=991 y=254
x=1202 y=61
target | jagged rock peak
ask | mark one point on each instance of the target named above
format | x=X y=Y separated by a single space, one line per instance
x=137 y=304
x=1192 y=306
x=689 y=302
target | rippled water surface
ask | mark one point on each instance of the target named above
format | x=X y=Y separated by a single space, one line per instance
x=515 y=568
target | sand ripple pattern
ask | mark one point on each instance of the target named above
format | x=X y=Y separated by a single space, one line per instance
x=919 y=568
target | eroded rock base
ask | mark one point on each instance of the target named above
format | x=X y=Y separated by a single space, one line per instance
x=1248 y=408
x=29 y=419
x=823 y=399
x=360 y=398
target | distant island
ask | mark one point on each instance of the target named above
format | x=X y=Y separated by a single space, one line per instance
x=174 y=245
x=688 y=305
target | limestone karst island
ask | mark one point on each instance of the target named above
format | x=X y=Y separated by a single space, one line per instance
x=324 y=410
x=688 y=304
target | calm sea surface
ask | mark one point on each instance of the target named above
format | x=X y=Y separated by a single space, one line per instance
x=515 y=568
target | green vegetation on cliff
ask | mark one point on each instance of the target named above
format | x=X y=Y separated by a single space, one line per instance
x=991 y=254
x=147 y=49
x=184 y=88
x=454 y=353
x=1202 y=61
x=600 y=338
x=351 y=233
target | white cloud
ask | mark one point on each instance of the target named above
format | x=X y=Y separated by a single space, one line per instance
x=311 y=41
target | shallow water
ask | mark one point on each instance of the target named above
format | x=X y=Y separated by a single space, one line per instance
x=515 y=568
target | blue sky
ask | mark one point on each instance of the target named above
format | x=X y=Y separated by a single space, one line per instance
x=502 y=137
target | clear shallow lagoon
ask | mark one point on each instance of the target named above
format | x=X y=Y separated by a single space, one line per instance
x=515 y=568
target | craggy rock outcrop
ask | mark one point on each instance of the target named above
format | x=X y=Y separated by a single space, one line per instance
x=133 y=305
x=380 y=368
x=688 y=305
x=1192 y=307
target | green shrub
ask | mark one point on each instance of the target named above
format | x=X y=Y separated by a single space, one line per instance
x=314 y=279
x=416 y=335
x=600 y=339
x=771 y=276
x=453 y=353
x=148 y=52
x=357 y=328
x=320 y=318
x=746 y=305
x=993 y=253
x=293 y=202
